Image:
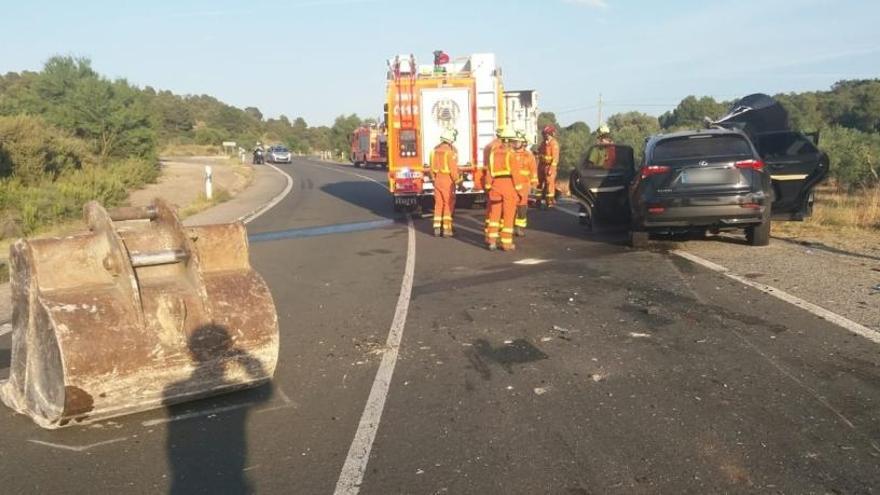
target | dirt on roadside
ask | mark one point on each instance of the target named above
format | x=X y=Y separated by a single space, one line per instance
x=182 y=182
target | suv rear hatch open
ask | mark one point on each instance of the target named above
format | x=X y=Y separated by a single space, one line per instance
x=795 y=164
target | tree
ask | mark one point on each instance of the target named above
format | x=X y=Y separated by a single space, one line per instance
x=691 y=111
x=574 y=141
x=341 y=131
x=632 y=128
x=254 y=113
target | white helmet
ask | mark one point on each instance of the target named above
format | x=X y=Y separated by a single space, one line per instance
x=603 y=130
x=448 y=135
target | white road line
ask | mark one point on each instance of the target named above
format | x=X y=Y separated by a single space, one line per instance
x=861 y=330
x=277 y=199
x=352 y=474
x=5 y=328
x=76 y=448
x=530 y=261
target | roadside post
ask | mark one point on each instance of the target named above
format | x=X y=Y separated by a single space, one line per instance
x=209 y=177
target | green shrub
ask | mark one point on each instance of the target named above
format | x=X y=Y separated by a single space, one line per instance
x=32 y=150
x=854 y=156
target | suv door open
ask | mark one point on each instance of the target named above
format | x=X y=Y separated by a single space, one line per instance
x=600 y=184
x=795 y=165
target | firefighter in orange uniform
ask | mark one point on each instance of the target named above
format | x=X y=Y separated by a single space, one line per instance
x=487 y=153
x=527 y=176
x=548 y=158
x=504 y=193
x=444 y=174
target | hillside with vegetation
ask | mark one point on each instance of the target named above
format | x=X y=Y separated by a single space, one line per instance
x=847 y=117
x=69 y=135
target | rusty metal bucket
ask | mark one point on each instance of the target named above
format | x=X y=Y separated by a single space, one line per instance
x=135 y=314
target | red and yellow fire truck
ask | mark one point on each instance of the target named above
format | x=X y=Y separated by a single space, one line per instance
x=464 y=94
x=369 y=147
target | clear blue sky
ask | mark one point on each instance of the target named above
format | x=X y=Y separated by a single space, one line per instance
x=320 y=58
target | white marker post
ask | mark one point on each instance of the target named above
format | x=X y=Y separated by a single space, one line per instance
x=209 y=176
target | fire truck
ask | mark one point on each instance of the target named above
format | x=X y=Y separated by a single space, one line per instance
x=464 y=94
x=369 y=147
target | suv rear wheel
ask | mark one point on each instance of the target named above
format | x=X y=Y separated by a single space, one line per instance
x=759 y=235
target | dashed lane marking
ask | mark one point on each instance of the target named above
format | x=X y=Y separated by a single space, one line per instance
x=530 y=261
x=352 y=474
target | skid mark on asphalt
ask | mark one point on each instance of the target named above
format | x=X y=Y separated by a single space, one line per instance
x=77 y=448
x=352 y=474
x=339 y=228
x=782 y=370
x=250 y=217
x=861 y=330
x=287 y=403
x=830 y=316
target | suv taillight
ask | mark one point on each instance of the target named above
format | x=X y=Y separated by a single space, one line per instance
x=750 y=164
x=649 y=170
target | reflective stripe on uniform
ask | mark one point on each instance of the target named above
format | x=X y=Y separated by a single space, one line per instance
x=507 y=230
x=520 y=222
x=493 y=235
x=506 y=241
x=445 y=169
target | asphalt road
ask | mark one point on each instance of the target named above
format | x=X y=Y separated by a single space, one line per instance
x=573 y=366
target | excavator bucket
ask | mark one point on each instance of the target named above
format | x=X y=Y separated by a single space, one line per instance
x=135 y=314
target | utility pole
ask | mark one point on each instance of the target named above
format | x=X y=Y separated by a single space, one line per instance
x=599 y=118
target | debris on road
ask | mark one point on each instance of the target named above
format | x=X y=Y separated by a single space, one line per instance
x=540 y=390
x=637 y=335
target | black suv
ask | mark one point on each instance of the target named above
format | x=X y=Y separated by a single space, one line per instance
x=748 y=168
x=708 y=179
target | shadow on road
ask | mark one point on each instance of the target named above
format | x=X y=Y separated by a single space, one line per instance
x=363 y=195
x=209 y=454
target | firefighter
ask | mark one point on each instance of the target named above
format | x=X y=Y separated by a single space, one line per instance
x=603 y=156
x=548 y=158
x=444 y=173
x=527 y=176
x=487 y=152
x=504 y=193
x=604 y=135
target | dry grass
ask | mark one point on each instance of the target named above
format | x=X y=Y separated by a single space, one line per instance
x=837 y=208
x=182 y=150
x=847 y=221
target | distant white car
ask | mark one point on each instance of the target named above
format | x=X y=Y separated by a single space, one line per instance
x=278 y=154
